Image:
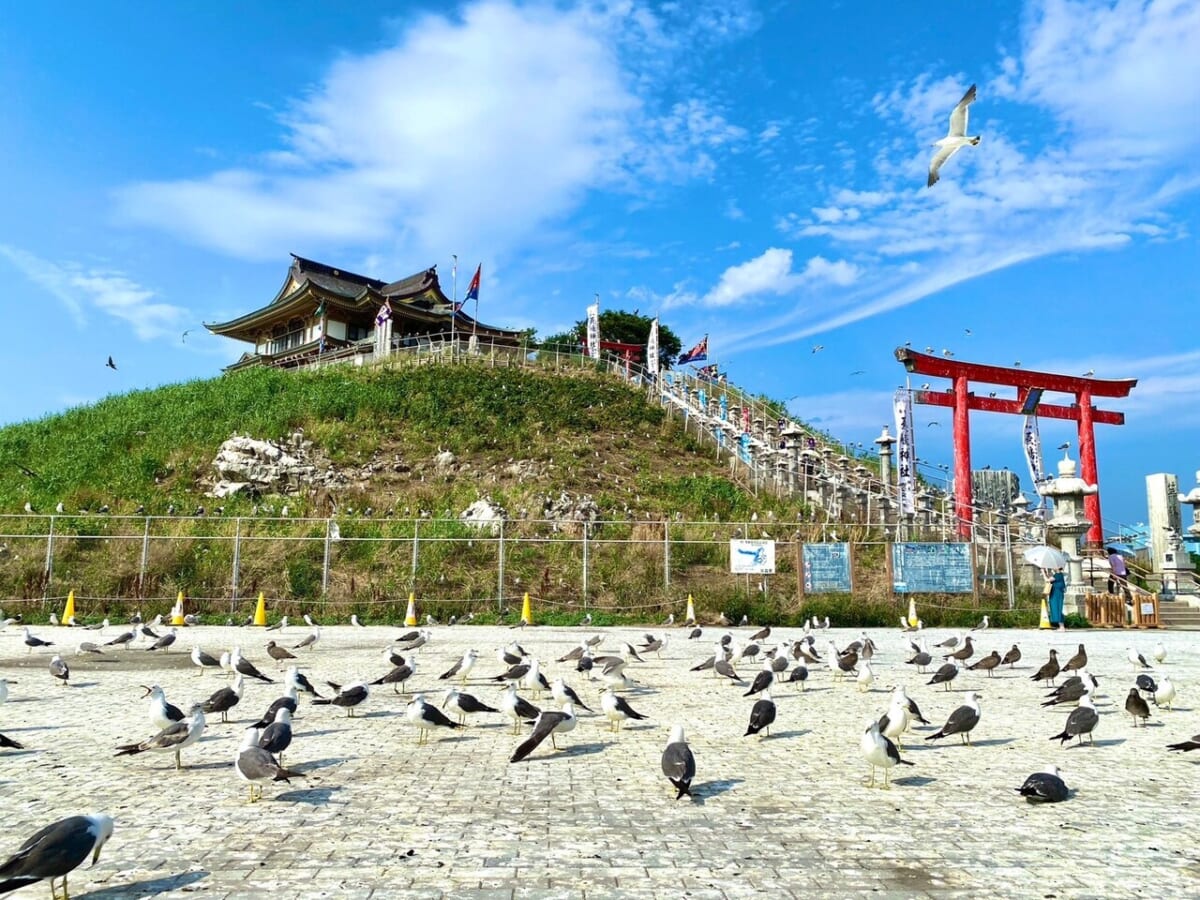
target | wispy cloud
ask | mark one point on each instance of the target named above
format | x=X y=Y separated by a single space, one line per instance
x=474 y=130
x=113 y=293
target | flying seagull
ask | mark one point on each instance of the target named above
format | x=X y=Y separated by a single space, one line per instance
x=955 y=139
x=110 y=364
x=56 y=851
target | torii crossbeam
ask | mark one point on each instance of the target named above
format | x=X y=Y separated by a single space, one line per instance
x=1030 y=386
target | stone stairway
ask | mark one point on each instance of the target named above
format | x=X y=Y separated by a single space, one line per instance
x=1178 y=614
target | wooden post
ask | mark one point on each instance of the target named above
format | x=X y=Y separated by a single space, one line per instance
x=975 y=574
x=800 y=573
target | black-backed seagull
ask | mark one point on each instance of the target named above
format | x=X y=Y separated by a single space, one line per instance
x=1046 y=786
x=961 y=721
x=516 y=707
x=880 y=753
x=1081 y=721
x=616 y=709
x=464 y=704
x=678 y=763
x=226 y=698
x=462 y=668
x=549 y=722
x=426 y=717
x=55 y=851
x=255 y=765
x=277 y=736
x=162 y=714
x=762 y=714
x=347 y=697
x=173 y=738
x=59 y=670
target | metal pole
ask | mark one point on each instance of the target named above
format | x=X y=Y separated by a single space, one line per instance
x=49 y=560
x=325 y=563
x=237 y=563
x=500 y=572
x=145 y=559
x=454 y=301
x=412 y=581
x=585 y=566
x=666 y=554
x=1008 y=567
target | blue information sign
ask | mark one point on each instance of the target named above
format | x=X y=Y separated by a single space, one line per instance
x=827 y=568
x=932 y=568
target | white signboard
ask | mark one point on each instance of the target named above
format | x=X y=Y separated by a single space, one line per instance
x=752 y=557
x=593 y=330
x=652 y=350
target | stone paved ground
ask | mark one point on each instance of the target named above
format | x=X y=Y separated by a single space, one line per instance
x=378 y=816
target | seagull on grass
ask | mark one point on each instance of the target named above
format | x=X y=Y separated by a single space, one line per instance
x=955 y=139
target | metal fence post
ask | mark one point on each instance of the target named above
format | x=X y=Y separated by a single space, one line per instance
x=500 y=571
x=49 y=568
x=412 y=581
x=145 y=559
x=585 y=566
x=235 y=575
x=325 y=562
x=666 y=554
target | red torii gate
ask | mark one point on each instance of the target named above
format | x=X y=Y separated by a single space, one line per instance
x=1030 y=386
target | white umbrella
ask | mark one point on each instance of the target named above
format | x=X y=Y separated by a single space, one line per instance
x=1046 y=557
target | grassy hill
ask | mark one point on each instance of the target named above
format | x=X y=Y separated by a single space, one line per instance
x=521 y=438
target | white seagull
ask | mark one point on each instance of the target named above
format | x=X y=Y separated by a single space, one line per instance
x=955 y=139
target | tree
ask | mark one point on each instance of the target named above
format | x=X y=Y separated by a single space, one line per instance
x=626 y=328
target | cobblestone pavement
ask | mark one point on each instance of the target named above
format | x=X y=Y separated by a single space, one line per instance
x=380 y=816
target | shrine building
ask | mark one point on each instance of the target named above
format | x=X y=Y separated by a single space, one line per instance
x=322 y=313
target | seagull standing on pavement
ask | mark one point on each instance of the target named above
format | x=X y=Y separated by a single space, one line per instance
x=880 y=753
x=55 y=852
x=678 y=763
x=173 y=738
x=548 y=723
x=311 y=640
x=255 y=765
x=616 y=708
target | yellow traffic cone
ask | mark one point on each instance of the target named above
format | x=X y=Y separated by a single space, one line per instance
x=691 y=610
x=912 y=612
x=69 y=610
x=177 y=612
x=260 y=611
x=526 y=612
x=410 y=617
x=1045 y=623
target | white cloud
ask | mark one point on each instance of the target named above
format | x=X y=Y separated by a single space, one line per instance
x=769 y=273
x=1114 y=89
x=469 y=131
x=109 y=292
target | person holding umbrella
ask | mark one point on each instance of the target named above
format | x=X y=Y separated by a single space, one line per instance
x=1056 y=584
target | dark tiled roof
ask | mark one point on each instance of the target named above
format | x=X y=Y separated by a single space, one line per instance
x=413 y=284
x=338 y=280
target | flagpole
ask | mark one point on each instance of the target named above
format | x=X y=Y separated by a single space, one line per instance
x=454 y=300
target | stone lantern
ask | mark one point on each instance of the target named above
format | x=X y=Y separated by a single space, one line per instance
x=1068 y=524
x=791 y=435
x=1192 y=499
x=885 y=442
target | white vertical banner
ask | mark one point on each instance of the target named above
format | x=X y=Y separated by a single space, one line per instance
x=593 y=331
x=652 y=350
x=906 y=452
x=1031 y=441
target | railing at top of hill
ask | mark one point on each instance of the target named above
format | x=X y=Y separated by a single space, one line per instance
x=766 y=448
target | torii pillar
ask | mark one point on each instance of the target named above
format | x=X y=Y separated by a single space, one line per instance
x=1030 y=386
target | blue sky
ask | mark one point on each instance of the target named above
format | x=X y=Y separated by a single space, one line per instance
x=753 y=171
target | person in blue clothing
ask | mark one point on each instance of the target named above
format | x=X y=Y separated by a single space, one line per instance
x=1054 y=599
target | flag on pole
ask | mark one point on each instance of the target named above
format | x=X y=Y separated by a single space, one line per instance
x=473 y=287
x=593 y=330
x=699 y=353
x=1031 y=440
x=652 y=349
x=320 y=310
x=384 y=314
x=906 y=453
